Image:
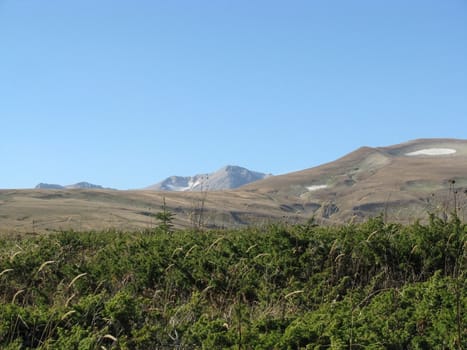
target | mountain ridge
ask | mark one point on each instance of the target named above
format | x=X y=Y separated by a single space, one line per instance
x=225 y=178
x=404 y=182
x=402 y=179
x=78 y=185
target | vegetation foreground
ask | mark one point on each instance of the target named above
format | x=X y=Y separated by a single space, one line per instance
x=373 y=285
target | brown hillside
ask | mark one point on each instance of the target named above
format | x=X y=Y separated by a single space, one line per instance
x=403 y=182
x=391 y=179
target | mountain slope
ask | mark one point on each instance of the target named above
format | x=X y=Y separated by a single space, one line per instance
x=406 y=180
x=228 y=177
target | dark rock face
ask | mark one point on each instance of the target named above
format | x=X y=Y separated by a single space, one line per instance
x=329 y=209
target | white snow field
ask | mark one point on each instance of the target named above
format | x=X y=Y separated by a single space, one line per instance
x=316 y=187
x=432 y=152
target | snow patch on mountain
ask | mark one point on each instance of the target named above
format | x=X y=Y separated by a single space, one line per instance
x=228 y=177
x=316 y=187
x=432 y=152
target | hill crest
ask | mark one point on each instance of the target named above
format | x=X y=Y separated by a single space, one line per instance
x=404 y=182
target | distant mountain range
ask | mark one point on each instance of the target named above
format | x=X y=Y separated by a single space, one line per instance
x=226 y=178
x=403 y=182
x=79 y=185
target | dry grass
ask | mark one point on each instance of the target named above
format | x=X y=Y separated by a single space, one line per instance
x=361 y=184
x=76 y=278
x=82 y=210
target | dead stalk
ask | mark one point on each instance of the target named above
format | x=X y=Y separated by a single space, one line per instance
x=76 y=278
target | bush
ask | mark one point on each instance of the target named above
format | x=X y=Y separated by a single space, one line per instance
x=373 y=285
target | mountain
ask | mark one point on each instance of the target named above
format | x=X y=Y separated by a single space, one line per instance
x=85 y=185
x=228 y=177
x=45 y=186
x=79 y=185
x=404 y=181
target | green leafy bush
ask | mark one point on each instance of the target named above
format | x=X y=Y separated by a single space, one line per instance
x=374 y=285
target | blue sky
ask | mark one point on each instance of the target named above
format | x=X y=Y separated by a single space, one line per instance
x=126 y=93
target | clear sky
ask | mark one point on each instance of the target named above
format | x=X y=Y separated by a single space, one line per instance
x=125 y=93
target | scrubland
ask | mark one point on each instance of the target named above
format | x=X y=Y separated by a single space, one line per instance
x=373 y=285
